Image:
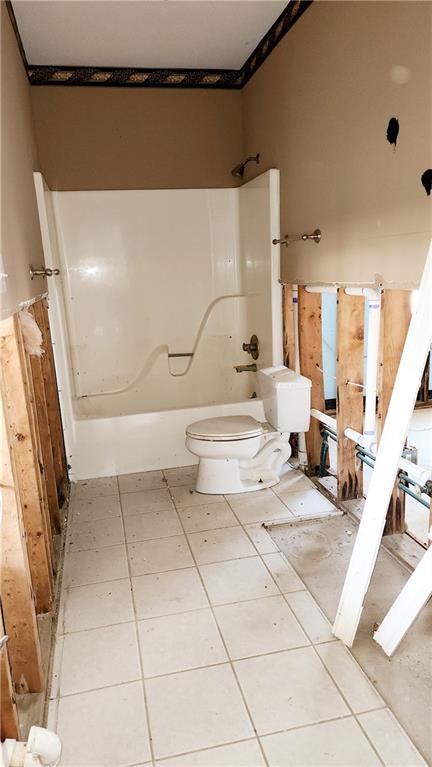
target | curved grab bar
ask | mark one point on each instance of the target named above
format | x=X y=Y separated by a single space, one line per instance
x=164 y=349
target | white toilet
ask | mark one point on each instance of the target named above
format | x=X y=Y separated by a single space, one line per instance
x=238 y=454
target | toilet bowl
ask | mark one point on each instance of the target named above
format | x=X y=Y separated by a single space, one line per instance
x=238 y=454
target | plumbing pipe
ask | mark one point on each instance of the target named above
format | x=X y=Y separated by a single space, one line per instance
x=321 y=289
x=324 y=418
x=350 y=291
x=419 y=474
x=372 y=353
x=42 y=749
x=302 y=455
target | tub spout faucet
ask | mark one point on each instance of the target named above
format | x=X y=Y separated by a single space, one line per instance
x=246 y=368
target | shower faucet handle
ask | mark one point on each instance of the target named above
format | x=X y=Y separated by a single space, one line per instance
x=252 y=347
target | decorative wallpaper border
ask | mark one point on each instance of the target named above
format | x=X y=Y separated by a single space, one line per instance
x=100 y=77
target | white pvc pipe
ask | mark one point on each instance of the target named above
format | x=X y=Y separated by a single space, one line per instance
x=324 y=418
x=350 y=291
x=302 y=455
x=418 y=473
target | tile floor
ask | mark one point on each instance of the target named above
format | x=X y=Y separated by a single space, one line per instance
x=186 y=638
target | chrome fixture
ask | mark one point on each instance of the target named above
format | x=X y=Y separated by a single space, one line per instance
x=315 y=236
x=246 y=368
x=181 y=354
x=252 y=347
x=43 y=271
x=239 y=169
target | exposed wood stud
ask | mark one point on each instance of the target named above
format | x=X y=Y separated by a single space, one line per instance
x=16 y=591
x=24 y=455
x=349 y=391
x=53 y=406
x=311 y=365
x=288 y=327
x=45 y=438
x=395 y=319
x=9 y=727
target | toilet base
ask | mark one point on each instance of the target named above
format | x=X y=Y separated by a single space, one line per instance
x=226 y=476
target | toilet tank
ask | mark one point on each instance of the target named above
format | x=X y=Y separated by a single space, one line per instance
x=286 y=398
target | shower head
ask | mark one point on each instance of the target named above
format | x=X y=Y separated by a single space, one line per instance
x=239 y=169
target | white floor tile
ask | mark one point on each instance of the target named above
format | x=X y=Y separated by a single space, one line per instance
x=207 y=517
x=353 y=683
x=94 y=535
x=195 y=710
x=98 y=604
x=145 y=500
x=260 y=538
x=104 y=727
x=222 y=544
x=331 y=744
x=168 y=593
x=99 y=658
x=390 y=740
x=95 y=565
x=259 y=506
x=92 y=488
x=179 y=642
x=314 y=622
x=159 y=555
x=92 y=509
x=184 y=475
x=185 y=496
x=147 y=480
x=284 y=575
x=258 y=627
x=308 y=503
x=244 y=754
x=293 y=481
x=237 y=580
x=288 y=689
x=155 y=524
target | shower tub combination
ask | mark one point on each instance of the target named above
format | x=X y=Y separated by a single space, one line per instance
x=158 y=290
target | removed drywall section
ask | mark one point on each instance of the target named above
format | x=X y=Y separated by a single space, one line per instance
x=21 y=242
x=137 y=139
x=318 y=110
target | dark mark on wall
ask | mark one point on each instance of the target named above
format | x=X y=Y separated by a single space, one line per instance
x=426 y=180
x=393 y=131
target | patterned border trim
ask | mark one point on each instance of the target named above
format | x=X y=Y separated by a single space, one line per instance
x=230 y=79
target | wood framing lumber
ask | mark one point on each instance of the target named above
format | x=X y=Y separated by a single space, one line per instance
x=349 y=391
x=288 y=327
x=9 y=726
x=399 y=413
x=18 y=417
x=311 y=365
x=16 y=588
x=395 y=319
x=45 y=438
x=406 y=607
x=53 y=406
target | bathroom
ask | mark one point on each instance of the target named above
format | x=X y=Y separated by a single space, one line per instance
x=216 y=226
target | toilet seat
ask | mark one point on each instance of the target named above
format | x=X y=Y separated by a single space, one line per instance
x=225 y=428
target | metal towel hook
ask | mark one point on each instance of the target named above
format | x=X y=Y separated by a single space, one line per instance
x=43 y=272
x=315 y=236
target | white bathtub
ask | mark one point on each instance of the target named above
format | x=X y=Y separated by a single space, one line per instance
x=124 y=444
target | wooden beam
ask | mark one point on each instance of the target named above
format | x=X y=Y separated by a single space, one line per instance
x=52 y=400
x=45 y=438
x=367 y=542
x=18 y=417
x=349 y=391
x=16 y=587
x=288 y=326
x=311 y=365
x=9 y=726
x=395 y=320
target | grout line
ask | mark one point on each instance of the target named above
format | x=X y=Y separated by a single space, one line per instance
x=225 y=647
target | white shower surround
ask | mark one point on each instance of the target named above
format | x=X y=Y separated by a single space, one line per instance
x=213 y=258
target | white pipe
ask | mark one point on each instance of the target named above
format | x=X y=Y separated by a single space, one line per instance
x=324 y=418
x=372 y=354
x=350 y=291
x=321 y=288
x=418 y=473
x=302 y=455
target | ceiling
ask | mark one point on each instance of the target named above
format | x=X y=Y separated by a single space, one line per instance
x=194 y=34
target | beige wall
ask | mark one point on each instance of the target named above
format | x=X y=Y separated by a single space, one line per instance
x=318 y=109
x=20 y=234
x=137 y=139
